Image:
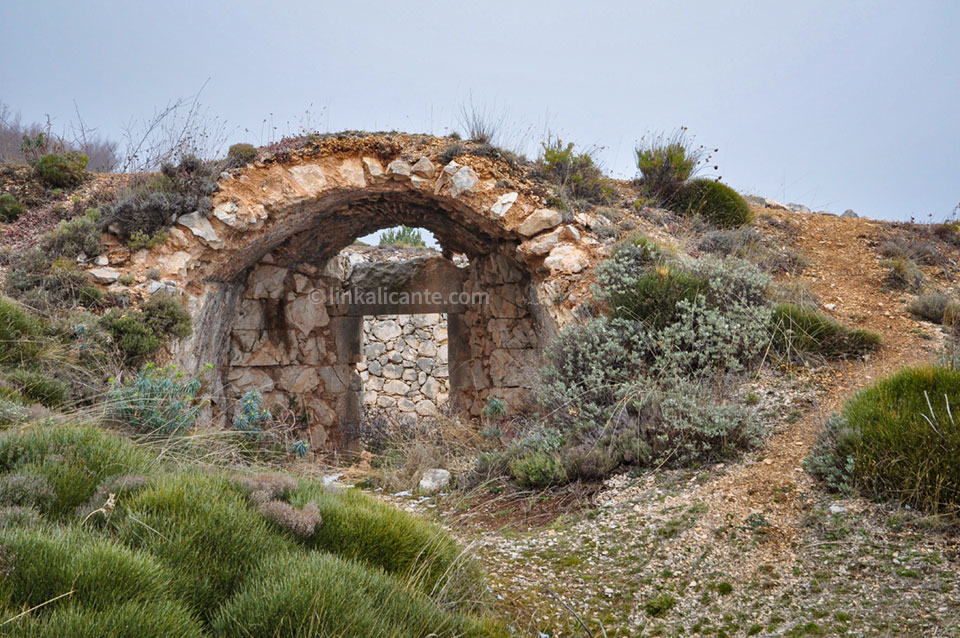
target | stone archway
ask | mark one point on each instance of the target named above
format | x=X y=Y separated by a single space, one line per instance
x=259 y=270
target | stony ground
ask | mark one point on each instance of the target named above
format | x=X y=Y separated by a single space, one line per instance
x=750 y=548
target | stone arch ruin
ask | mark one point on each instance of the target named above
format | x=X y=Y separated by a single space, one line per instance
x=264 y=280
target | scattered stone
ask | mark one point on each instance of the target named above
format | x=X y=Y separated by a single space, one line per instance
x=434 y=480
x=850 y=213
x=104 y=275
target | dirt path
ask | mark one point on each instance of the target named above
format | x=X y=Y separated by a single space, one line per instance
x=847 y=277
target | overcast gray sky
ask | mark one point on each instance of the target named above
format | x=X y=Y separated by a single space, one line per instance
x=832 y=104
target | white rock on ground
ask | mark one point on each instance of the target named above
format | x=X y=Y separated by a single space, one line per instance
x=434 y=480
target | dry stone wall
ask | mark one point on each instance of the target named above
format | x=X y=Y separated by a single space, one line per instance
x=404 y=368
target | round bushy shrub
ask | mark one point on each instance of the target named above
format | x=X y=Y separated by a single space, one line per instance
x=323 y=595
x=132 y=619
x=714 y=201
x=50 y=562
x=10 y=208
x=241 y=154
x=898 y=439
x=65 y=170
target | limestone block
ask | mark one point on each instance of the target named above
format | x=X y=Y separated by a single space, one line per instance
x=250 y=379
x=306 y=314
x=426 y=408
x=503 y=204
x=200 y=226
x=462 y=181
x=298 y=379
x=266 y=282
x=540 y=220
x=351 y=171
x=310 y=178
x=566 y=258
x=387 y=330
x=425 y=168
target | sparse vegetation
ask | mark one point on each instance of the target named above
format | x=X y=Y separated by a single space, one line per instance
x=935 y=306
x=667 y=162
x=402 y=236
x=903 y=274
x=578 y=179
x=151 y=206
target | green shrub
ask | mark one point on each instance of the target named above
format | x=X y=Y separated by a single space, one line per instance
x=587 y=367
x=831 y=459
x=800 y=331
x=538 y=469
x=688 y=426
x=132 y=619
x=165 y=314
x=21 y=335
x=241 y=154
x=149 y=207
x=902 y=274
x=10 y=208
x=101 y=574
x=73 y=460
x=578 y=178
x=402 y=236
x=898 y=439
x=201 y=529
x=74 y=236
x=934 y=306
x=60 y=170
x=131 y=334
x=322 y=595
x=156 y=401
x=40 y=388
x=714 y=201
x=361 y=528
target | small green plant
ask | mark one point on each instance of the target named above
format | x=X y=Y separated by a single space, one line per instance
x=156 y=401
x=715 y=202
x=166 y=315
x=252 y=416
x=131 y=334
x=56 y=170
x=140 y=240
x=299 y=448
x=902 y=274
x=72 y=237
x=126 y=280
x=10 y=208
x=576 y=175
x=802 y=331
x=241 y=154
x=666 y=162
x=402 y=236
x=659 y=605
